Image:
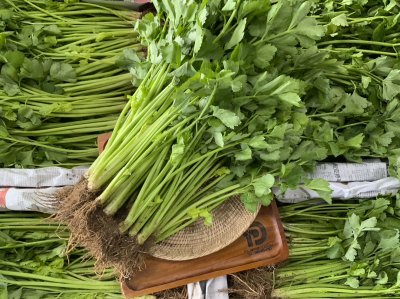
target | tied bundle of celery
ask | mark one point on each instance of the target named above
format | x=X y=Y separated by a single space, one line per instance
x=235 y=97
x=344 y=250
x=64 y=79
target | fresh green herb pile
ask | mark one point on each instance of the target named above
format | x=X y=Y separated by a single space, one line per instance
x=34 y=264
x=235 y=97
x=63 y=79
x=342 y=250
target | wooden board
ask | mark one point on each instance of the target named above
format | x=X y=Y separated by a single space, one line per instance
x=102 y=141
x=263 y=244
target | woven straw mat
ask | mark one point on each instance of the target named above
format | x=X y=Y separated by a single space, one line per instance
x=230 y=221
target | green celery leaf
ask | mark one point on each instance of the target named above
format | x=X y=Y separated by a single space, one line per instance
x=178 y=150
x=351 y=252
x=245 y=154
x=389 y=239
x=291 y=98
x=25 y=158
x=228 y=118
x=355 y=142
x=340 y=20
x=389 y=6
x=11 y=89
x=397 y=284
x=208 y=49
x=352 y=223
x=237 y=35
x=3 y=130
x=6 y=14
x=262 y=185
x=15 y=58
x=250 y=202
x=271 y=157
x=309 y=151
x=352 y=282
x=62 y=72
x=127 y=59
x=365 y=81
x=372 y=274
x=172 y=53
x=382 y=278
x=264 y=55
x=154 y=53
x=199 y=37
x=33 y=69
x=194 y=213
x=55 y=156
x=3 y=289
x=266 y=200
x=15 y=294
x=369 y=224
x=355 y=104
x=229 y=5
x=52 y=30
x=9 y=72
x=185 y=69
x=258 y=142
x=357 y=271
x=369 y=248
x=238 y=83
x=321 y=186
x=386 y=138
x=50 y=41
x=254 y=7
x=300 y=14
x=218 y=138
x=207 y=216
x=335 y=252
x=395 y=255
x=309 y=27
x=391 y=85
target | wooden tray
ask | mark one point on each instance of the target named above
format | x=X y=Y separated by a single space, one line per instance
x=263 y=244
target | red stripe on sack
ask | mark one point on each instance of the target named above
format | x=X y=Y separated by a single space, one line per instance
x=3 y=193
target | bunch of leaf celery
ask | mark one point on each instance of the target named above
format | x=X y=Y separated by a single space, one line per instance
x=236 y=93
x=64 y=79
x=34 y=264
x=343 y=250
x=204 y=116
x=365 y=39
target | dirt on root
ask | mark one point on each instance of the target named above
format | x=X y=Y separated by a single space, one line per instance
x=252 y=284
x=98 y=232
x=177 y=293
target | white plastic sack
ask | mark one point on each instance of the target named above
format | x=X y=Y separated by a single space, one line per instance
x=347 y=180
x=31 y=189
x=344 y=190
x=210 y=289
x=350 y=172
x=21 y=199
x=40 y=177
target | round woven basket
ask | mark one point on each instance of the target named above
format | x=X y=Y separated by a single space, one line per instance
x=230 y=221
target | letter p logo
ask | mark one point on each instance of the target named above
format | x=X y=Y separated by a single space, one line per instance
x=256 y=235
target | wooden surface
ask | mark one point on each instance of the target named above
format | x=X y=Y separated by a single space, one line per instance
x=102 y=141
x=263 y=244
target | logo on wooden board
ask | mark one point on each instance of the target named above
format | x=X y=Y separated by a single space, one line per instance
x=257 y=239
